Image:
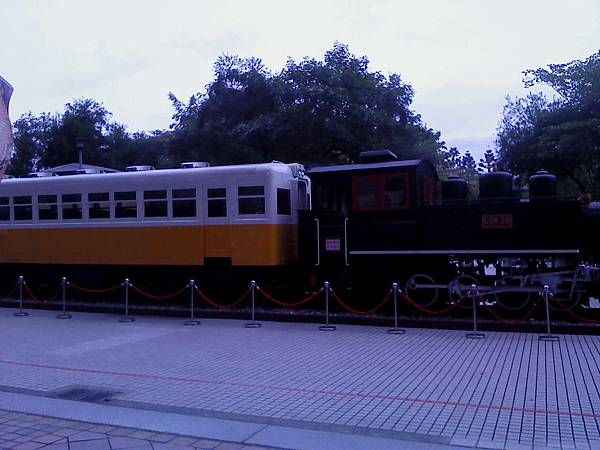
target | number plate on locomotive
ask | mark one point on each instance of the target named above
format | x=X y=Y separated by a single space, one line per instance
x=333 y=245
x=496 y=221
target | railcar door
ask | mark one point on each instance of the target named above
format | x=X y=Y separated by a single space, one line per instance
x=217 y=224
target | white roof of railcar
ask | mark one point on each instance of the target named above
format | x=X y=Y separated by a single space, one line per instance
x=175 y=176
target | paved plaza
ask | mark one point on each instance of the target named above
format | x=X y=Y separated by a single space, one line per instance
x=289 y=385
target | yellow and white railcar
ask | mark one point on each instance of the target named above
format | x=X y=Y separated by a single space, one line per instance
x=245 y=215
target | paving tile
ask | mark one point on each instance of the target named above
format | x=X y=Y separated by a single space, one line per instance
x=28 y=446
x=48 y=438
x=57 y=446
x=118 y=443
x=183 y=440
x=205 y=443
x=229 y=446
x=86 y=436
x=97 y=444
x=162 y=437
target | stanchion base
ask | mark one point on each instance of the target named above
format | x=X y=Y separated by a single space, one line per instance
x=548 y=337
x=126 y=319
x=253 y=325
x=64 y=316
x=327 y=328
x=192 y=322
x=475 y=335
x=396 y=331
x=21 y=314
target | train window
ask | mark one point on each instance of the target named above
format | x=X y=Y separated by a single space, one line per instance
x=284 y=200
x=303 y=197
x=155 y=203
x=251 y=200
x=125 y=204
x=71 y=207
x=394 y=194
x=380 y=192
x=217 y=202
x=99 y=205
x=184 y=202
x=4 y=209
x=47 y=207
x=367 y=193
x=23 y=207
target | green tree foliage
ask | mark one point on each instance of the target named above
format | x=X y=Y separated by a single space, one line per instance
x=560 y=135
x=312 y=111
x=49 y=140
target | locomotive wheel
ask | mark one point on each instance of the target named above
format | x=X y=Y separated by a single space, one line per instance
x=424 y=296
x=511 y=301
x=459 y=288
x=568 y=295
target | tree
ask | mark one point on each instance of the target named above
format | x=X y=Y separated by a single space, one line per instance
x=32 y=134
x=312 y=111
x=560 y=135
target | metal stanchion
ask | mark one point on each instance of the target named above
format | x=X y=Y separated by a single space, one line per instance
x=21 y=313
x=327 y=327
x=126 y=318
x=64 y=314
x=548 y=337
x=475 y=334
x=396 y=330
x=192 y=321
x=253 y=323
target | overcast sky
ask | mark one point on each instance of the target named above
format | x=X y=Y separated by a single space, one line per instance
x=462 y=57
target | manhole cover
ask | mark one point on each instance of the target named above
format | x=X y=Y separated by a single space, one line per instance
x=84 y=394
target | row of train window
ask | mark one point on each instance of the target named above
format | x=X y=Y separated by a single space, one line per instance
x=251 y=201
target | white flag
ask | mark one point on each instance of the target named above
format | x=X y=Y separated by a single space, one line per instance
x=6 y=135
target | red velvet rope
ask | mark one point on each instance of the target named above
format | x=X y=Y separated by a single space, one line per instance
x=431 y=311
x=95 y=291
x=217 y=305
x=577 y=316
x=158 y=297
x=356 y=311
x=43 y=301
x=289 y=305
x=12 y=292
x=526 y=317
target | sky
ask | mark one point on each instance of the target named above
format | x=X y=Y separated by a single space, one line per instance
x=462 y=57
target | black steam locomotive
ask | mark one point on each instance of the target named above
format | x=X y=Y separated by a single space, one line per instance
x=383 y=220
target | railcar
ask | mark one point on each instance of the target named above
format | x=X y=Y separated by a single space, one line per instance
x=213 y=219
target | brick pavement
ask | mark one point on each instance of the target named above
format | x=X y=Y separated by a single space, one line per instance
x=20 y=431
x=506 y=391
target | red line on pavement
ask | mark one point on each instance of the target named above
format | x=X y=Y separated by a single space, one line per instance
x=301 y=390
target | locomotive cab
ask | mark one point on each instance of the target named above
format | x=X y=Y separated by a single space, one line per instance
x=369 y=208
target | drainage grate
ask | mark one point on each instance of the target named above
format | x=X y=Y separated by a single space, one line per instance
x=84 y=394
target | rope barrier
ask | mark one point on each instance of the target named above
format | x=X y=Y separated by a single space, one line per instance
x=12 y=292
x=356 y=311
x=577 y=316
x=526 y=317
x=42 y=301
x=431 y=311
x=289 y=305
x=95 y=291
x=217 y=305
x=159 y=297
